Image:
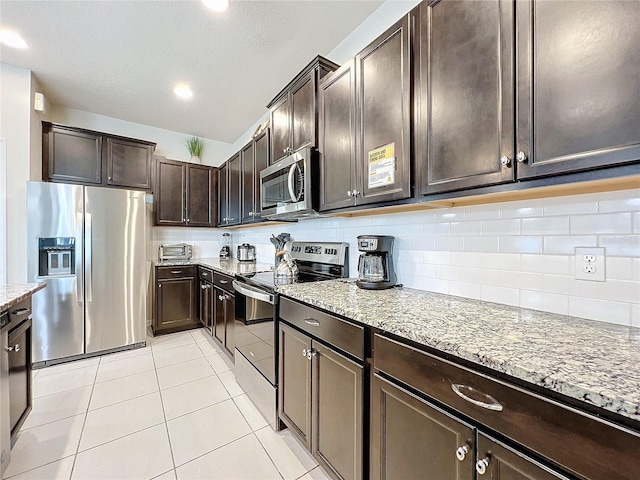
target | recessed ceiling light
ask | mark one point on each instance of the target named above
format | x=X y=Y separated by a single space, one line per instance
x=183 y=91
x=216 y=5
x=12 y=39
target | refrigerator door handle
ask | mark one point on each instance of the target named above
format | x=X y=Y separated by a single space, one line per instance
x=88 y=257
x=79 y=266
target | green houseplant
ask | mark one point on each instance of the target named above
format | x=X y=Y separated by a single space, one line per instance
x=195 y=146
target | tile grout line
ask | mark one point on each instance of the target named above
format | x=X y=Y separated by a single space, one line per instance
x=215 y=449
x=35 y=468
x=273 y=462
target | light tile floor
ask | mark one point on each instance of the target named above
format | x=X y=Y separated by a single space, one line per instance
x=172 y=410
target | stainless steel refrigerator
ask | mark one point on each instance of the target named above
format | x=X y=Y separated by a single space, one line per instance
x=88 y=244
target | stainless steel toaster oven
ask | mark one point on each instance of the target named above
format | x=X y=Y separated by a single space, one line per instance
x=176 y=251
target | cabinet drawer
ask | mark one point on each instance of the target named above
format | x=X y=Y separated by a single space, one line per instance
x=223 y=281
x=333 y=330
x=176 y=272
x=20 y=312
x=578 y=442
x=205 y=274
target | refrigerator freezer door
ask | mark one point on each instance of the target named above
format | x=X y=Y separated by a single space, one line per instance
x=115 y=268
x=56 y=210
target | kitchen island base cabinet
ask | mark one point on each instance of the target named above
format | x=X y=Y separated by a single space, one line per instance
x=176 y=307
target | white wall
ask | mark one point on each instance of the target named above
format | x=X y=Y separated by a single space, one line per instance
x=169 y=143
x=15 y=129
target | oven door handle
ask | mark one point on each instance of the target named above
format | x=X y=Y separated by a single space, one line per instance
x=253 y=292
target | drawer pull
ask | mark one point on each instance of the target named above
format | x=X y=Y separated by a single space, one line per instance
x=176 y=271
x=312 y=321
x=490 y=403
x=481 y=465
x=15 y=348
x=461 y=452
x=224 y=281
x=20 y=311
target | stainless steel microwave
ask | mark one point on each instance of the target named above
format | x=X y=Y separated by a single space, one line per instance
x=289 y=189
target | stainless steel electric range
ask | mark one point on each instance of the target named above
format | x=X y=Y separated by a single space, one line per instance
x=256 y=355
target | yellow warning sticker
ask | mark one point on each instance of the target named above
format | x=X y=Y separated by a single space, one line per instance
x=382 y=166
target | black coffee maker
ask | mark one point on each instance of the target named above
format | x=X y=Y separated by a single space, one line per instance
x=375 y=266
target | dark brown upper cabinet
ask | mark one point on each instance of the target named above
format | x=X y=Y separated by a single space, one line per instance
x=294 y=113
x=75 y=155
x=464 y=94
x=578 y=66
x=184 y=194
x=248 y=167
x=230 y=192
x=365 y=125
x=262 y=152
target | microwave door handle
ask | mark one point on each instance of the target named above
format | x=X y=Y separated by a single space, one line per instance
x=292 y=170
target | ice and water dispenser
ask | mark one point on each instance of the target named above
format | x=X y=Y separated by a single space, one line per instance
x=57 y=256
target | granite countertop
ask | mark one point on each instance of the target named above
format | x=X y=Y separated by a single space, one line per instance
x=230 y=266
x=12 y=294
x=594 y=362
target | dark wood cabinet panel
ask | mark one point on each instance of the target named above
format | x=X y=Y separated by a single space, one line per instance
x=464 y=85
x=336 y=144
x=169 y=192
x=337 y=413
x=218 y=315
x=248 y=167
x=128 y=164
x=176 y=301
x=199 y=196
x=205 y=305
x=303 y=113
x=224 y=319
x=20 y=393
x=229 y=324
x=223 y=193
x=578 y=67
x=262 y=152
x=294 y=405
x=72 y=156
x=383 y=90
x=230 y=191
x=280 y=129
x=412 y=439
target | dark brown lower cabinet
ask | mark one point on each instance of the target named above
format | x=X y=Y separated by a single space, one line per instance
x=19 y=375
x=205 y=310
x=224 y=319
x=321 y=401
x=176 y=307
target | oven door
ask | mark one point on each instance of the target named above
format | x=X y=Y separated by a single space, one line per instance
x=255 y=333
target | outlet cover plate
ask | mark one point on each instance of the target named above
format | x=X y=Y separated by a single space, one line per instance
x=585 y=264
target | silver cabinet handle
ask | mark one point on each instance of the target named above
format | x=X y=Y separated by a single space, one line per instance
x=349 y=193
x=505 y=161
x=355 y=193
x=20 y=312
x=521 y=157
x=309 y=353
x=176 y=271
x=203 y=287
x=251 y=214
x=304 y=352
x=312 y=321
x=15 y=348
x=224 y=281
x=461 y=452
x=221 y=298
x=490 y=404
x=481 y=465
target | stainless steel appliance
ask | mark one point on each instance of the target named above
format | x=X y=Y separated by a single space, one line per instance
x=5 y=427
x=256 y=309
x=375 y=265
x=97 y=303
x=176 y=252
x=246 y=253
x=289 y=189
x=225 y=241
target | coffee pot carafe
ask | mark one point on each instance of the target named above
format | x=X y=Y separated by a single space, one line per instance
x=375 y=265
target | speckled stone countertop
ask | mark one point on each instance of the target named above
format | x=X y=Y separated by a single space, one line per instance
x=595 y=362
x=230 y=266
x=12 y=294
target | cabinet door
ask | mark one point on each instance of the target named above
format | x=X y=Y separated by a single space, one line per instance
x=218 y=315
x=19 y=376
x=303 y=112
x=204 y=305
x=262 y=152
x=229 y=323
x=199 y=194
x=578 y=85
x=412 y=439
x=337 y=413
x=248 y=168
x=464 y=87
x=337 y=105
x=74 y=156
x=169 y=192
x=176 y=303
x=383 y=88
x=503 y=463
x=129 y=163
x=280 y=129
x=223 y=194
x=235 y=189
x=294 y=393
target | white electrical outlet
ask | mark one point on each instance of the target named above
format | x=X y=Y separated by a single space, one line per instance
x=590 y=263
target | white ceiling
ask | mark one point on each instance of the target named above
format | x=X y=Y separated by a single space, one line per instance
x=123 y=58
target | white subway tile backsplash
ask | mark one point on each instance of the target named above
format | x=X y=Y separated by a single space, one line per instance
x=601 y=223
x=501 y=261
x=622 y=201
x=570 y=206
x=411 y=256
x=482 y=212
x=482 y=244
x=466 y=228
x=566 y=244
x=435 y=285
x=466 y=259
x=521 y=212
x=425 y=270
x=437 y=229
x=635 y=269
x=545 y=225
x=510 y=226
x=451 y=244
x=464 y=289
x=614 y=290
x=621 y=245
x=619 y=268
x=558 y=264
x=635 y=315
x=520 y=244
x=614 y=312
x=507 y=296
x=438 y=258
x=449 y=215
x=521 y=280
x=423 y=243
x=547 y=302
x=636 y=222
